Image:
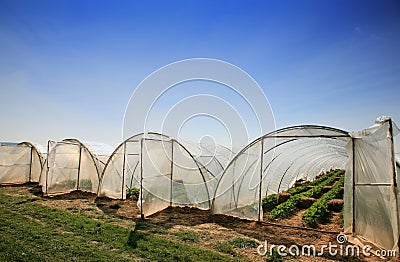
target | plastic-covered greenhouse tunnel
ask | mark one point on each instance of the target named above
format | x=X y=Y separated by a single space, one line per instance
x=164 y=170
x=20 y=163
x=73 y=165
x=273 y=162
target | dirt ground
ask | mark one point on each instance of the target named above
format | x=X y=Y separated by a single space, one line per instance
x=210 y=229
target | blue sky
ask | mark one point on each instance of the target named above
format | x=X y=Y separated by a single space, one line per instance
x=68 y=68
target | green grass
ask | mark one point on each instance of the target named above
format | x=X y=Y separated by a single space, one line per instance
x=225 y=247
x=243 y=243
x=33 y=232
x=275 y=257
x=228 y=246
x=187 y=236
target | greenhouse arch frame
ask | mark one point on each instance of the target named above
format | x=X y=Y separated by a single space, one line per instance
x=164 y=170
x=258 y=167
x=79 y=163
x=122 y=146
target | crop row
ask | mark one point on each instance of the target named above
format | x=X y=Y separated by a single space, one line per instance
x=285 y=209
x=319 y=211
x=271 y=201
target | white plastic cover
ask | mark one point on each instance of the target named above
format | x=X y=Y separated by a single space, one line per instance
x=100 y=150
x=162 y=168
x=123 y=169
x=213 y=157
x=19 y=163
x=274 y=162
x=72 y=165
x=371 y=198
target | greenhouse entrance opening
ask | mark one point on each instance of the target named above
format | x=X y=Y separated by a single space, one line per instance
x=272 y=164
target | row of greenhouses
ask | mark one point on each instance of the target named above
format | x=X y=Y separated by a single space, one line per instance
x=168 y=172
x=154 y=163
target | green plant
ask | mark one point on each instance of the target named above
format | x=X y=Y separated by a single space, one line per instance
x=304 y=187
x=243 y=243
x=143 y=225
x=341 y=219
x=73 y=209
x=68 y=184
x=270 y=202
x=187 y=236
x=224 y=247
x=160 y=231
x=319 y=211
x=285 y=209
x=274 y=257
x=85 y=184
x=133 y=193
x=316 y=213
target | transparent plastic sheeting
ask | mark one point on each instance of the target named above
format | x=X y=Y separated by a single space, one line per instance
x=164 y=170
x=274 y=162
x=123 y=169
x=371 y=209
x=19 y=163
x=215 y=158
x=72 y=165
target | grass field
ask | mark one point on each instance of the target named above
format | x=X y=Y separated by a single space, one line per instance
x=84 y=228
x=33 y=232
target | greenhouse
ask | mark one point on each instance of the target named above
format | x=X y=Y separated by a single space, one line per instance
x=274 y=162
x=20 y=163
x=73 y=165
x=163 y=170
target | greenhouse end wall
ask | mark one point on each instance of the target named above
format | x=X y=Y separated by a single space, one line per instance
x=70 y=166
x=371 y=208
x=19 y=163
x=165 y=172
